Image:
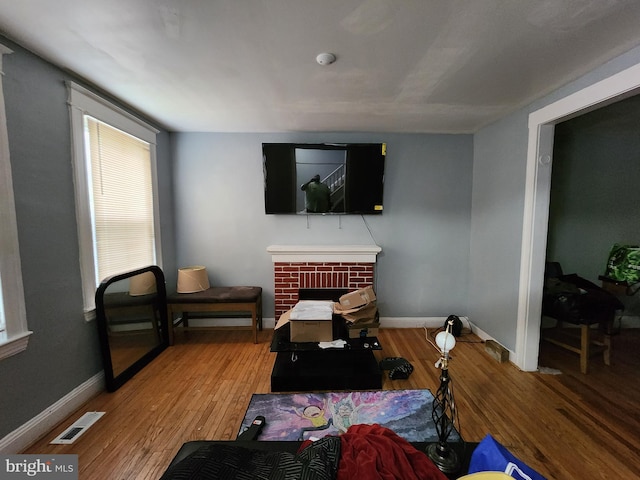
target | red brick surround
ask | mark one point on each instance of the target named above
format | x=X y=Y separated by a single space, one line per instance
x=291 y=276
x=319 y=266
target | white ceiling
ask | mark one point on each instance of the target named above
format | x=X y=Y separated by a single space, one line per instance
x=249 y=65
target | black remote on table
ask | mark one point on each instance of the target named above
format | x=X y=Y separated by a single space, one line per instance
x=254 y=429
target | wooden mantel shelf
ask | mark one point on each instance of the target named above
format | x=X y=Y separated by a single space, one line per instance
x=324 y=253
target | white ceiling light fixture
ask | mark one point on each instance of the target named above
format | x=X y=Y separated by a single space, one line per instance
x=326 y=59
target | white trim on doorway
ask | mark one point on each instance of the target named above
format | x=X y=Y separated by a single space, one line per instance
x=536 y=207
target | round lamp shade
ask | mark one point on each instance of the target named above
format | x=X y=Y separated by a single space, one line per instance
x=143 y=284
x=445 y=341
x=192 y=279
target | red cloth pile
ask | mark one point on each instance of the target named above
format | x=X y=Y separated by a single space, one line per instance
x=375 y=452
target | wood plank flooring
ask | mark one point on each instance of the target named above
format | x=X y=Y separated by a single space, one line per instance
x=568 y=426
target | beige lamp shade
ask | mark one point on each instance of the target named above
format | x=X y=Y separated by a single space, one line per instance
x=143 y=284
x=192 y=279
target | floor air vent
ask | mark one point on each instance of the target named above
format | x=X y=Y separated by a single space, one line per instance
x=80 y=426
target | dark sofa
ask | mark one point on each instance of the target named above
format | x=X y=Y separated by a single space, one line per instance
x=365 y=451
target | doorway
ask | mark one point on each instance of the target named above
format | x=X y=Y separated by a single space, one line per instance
x=594 y=187
x=537 y=196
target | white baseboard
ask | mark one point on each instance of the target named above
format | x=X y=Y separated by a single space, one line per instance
x=397 y=322
x=416 y=322
x=41 y=424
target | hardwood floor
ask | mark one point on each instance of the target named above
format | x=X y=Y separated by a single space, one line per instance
x=567 y=426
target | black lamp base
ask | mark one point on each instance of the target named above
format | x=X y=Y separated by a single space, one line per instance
x=444 y=458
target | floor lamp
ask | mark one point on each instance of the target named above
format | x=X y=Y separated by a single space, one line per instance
x=443 y=412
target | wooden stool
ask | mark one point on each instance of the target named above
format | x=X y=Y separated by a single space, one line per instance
x=216 y=300
x=574 y=299
x=583 y=344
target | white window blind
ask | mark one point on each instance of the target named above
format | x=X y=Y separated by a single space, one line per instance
x=122 y=197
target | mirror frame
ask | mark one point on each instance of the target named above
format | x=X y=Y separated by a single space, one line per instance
x=113 y=382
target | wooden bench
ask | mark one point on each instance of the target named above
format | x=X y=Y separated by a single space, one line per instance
x=216 y=300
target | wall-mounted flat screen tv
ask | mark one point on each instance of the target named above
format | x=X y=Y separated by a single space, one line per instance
x=302 y=178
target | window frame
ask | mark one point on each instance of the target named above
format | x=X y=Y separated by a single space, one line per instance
x=84 y=102
x=15 y=338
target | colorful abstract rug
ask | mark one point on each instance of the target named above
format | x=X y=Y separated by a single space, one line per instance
x=303 y=416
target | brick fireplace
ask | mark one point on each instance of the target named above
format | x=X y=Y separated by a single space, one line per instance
x=304 y=266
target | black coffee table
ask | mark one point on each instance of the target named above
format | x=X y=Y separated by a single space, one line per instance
x=304 y=366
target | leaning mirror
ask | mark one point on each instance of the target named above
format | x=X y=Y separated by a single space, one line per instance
x=131 y=311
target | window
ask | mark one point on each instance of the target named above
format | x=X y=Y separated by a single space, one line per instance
x=116 y=201
x=122 y=203
x=14 y=334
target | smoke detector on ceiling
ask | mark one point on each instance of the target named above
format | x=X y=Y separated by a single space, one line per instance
x=326 y=58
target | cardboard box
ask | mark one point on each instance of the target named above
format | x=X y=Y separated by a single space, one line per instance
x=365 y=314
x=311 y=331
x=370 y=329
x=310 y=321
x=497 y=351
x=358 y=298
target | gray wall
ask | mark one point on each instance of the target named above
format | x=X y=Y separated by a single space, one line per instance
x=500 y=153
x=594 y=190
x=423 y=231
x=496 y=226
x=63 y=351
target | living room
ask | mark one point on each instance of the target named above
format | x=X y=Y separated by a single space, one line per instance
x=450 y=232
